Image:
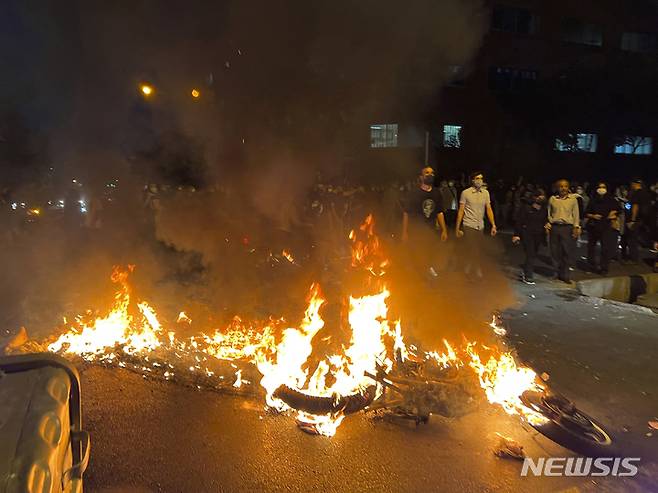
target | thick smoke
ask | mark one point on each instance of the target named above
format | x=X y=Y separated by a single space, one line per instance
x=287 y=92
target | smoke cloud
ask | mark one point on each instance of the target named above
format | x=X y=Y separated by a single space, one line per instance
x=287 y=91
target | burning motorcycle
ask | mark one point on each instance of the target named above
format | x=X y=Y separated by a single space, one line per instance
x=345 y=355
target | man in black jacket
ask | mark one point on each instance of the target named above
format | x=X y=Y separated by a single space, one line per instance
x=602 y=218
x=529 y=230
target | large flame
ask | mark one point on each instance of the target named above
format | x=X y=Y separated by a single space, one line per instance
x=284 y=355
x=118 y=328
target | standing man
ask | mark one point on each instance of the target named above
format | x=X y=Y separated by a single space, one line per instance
x=636 y=219
x=529 y=231
x=424 y=205
x=564 y=227
x=474 y=203
x=602 y=226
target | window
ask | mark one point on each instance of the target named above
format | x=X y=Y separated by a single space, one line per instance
x=640 y=42
x=513 y=20
x=575 y=31
x=384 y=135
x=452 y=136
x=634 y=145
x=511 y=79
x=577 y=143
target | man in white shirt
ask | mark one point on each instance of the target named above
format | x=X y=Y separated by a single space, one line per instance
x=474 y=203
x=564 y=227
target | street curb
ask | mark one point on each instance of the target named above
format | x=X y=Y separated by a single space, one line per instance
x=626 y=289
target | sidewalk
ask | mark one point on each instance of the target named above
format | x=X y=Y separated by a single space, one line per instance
x=544 y=271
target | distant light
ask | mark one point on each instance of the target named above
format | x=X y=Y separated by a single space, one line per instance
x=146 y=89
x=195 y=93
x=74 y=180
x=83 y=206
x=14 y=206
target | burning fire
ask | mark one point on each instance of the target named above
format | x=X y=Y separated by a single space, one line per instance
x=288 y=256
x=139 y=335
x=285 y=356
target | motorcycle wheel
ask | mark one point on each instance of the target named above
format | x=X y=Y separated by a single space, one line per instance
x=569 y=426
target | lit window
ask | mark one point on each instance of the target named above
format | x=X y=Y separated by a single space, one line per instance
x=384 y=135
x=634 y=145
x=513 y=20
x=577 y=143
x=639 y=42
x=575 y=31
x=452 y=136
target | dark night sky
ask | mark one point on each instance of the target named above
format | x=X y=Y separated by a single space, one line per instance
x=305 y=74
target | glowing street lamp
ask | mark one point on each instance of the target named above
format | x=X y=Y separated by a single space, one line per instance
x=146 y=89
x=195 y=93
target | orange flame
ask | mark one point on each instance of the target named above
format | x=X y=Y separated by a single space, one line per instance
x=282 y=355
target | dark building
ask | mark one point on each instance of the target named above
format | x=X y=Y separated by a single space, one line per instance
x=558 y=89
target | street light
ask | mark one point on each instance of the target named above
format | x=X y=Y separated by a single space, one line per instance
x=195 y=93
x=146 y=89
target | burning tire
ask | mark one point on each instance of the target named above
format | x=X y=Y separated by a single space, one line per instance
x=325 y=405
x=568 y=425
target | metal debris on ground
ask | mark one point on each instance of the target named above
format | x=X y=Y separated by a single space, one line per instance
x=508 y=448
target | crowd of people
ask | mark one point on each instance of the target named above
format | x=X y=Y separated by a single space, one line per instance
x=615 y=222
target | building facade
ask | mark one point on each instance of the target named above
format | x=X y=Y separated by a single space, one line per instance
x=557 y=89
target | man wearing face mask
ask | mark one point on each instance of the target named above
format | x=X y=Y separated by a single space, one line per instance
x=564 y=227
x=423 y=212
x=529 y=231
x=424 y=205
x=602 y=217
x=474 y=203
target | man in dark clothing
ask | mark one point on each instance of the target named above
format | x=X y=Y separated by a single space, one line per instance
x=424 y=205
x=602 y=220
x=450 y=200
x=529 y=231
x=423 y=212
x=640 y=201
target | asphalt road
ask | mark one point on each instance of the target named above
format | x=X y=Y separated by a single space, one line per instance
x=159 y=436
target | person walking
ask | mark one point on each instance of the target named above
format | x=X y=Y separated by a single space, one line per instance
x=422 y=214
x=474 y=203
x=564 y=228
x=529 y=231
x=424 y=205
x=602 y=226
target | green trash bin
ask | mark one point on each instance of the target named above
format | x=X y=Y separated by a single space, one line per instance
x=43 y=448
